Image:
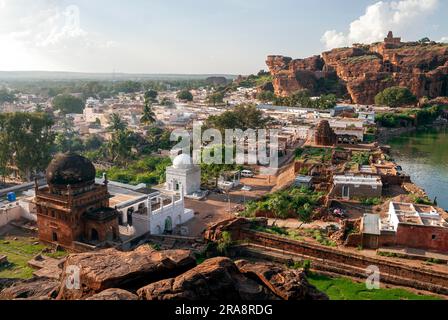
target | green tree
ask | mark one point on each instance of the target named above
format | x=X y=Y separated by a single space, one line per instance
x=216 y=98
x=116 y=123
x=395 y=97
x=185 y=95
x=26 y=142
x=151 y=95
x=266 y=96
x=149 y=117
x=67 y=103
x=6 y=96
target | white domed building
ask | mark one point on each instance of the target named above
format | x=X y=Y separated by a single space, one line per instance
x=183 y=175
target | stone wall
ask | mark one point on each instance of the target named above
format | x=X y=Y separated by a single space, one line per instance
x=408 y=274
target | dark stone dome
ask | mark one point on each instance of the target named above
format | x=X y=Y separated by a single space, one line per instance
x=70 y=169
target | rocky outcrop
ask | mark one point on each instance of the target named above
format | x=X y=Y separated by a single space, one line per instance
x=288 y=284
x=110 y=268
x=35 y=289
x=113 y=294
x=216 y=279
x=365 y=70
x=232 y=225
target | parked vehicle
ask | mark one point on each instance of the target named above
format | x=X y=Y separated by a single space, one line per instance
x=247 y=174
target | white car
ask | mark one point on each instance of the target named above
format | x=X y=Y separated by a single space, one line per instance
x=247 y=173
x=246 y=188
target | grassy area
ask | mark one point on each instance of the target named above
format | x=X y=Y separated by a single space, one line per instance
x=314 y=154
x=19 y=252
x=346 y=289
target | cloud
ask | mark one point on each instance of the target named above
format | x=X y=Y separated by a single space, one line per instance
x=378 y=19
x=46 y=34
x=444 y=39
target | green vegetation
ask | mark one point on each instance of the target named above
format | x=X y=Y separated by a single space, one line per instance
x=215 y=98
x=67 y=103
x=303 y=99
x=6 y=96
x=151 y=95
x=26 y=141
x=322 y=155
x=185 y=95
x=364 y=58
x=346 y=289
x=19 y=252
x=395 y=97
x=371 y=201
x=241 y=117
x=415 y=117
x=266 y=96
x=320 y=236
x=149 y=117
x=361 y=158
x=294 y=202
x=224 y=242
x=149 y=170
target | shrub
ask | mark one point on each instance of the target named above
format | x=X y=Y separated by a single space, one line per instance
x=395 y=97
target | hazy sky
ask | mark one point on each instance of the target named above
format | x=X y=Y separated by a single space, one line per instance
x=198 y=36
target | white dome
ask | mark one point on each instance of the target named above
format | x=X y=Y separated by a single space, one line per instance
x=182 y=161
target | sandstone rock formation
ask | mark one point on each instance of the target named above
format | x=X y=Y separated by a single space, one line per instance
x=288 y=284
x=110 y=268
x=215 y=279
x=113 y=294
x=35 y=289
x=365 y=70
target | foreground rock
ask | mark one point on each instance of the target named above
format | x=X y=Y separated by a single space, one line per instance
x=288 y=284
x=110 y=268
x=35 y=289
x=215 y=279
x=113 y=294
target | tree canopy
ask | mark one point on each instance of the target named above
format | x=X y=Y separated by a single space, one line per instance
x=241 y=117
x=26 y=140
x=67 y=103
x=395 y=97
x=185 y=95
x=6 y=96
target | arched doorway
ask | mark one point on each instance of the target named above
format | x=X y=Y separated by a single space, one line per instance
x=94 y=235
x=168 y=225
x=179 y=219
x=55 y=237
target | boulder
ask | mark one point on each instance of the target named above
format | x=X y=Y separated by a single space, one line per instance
x=113 y=294
x=34 y=289
x=111 y=268
x=287 y=284
x=215 y=279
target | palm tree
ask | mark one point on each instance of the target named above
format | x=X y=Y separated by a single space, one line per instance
x=116 y=124
x=149 y=117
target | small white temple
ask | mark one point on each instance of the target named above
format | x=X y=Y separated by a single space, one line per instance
x=183 y=172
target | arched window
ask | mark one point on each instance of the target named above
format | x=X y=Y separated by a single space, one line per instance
x=94 y=235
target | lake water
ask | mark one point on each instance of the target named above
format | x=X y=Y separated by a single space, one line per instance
x=424 y=155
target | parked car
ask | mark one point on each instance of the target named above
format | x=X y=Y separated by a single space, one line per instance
x=246 y=188
x=247 y=174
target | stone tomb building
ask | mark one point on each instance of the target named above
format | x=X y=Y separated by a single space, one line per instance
x=74 y=210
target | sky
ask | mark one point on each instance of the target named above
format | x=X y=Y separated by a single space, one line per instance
x=198 y=36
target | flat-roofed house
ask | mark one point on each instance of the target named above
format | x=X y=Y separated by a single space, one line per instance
x=357 y=186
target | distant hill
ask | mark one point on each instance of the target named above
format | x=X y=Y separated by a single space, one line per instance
x=362 y=71
x=51 y=75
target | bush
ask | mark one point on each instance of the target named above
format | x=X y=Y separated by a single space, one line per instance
x=395 y=97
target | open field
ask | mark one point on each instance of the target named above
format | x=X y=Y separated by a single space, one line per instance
x=346 y=289
x=19 y=250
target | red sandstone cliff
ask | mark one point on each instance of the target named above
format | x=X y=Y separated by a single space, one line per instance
x=365 y=70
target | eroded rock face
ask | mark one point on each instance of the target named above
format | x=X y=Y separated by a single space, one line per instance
x=215 y=279
x=124 y=270
x=367 y=70
x=288 y=284
x=35 y=289
x=113 y=294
